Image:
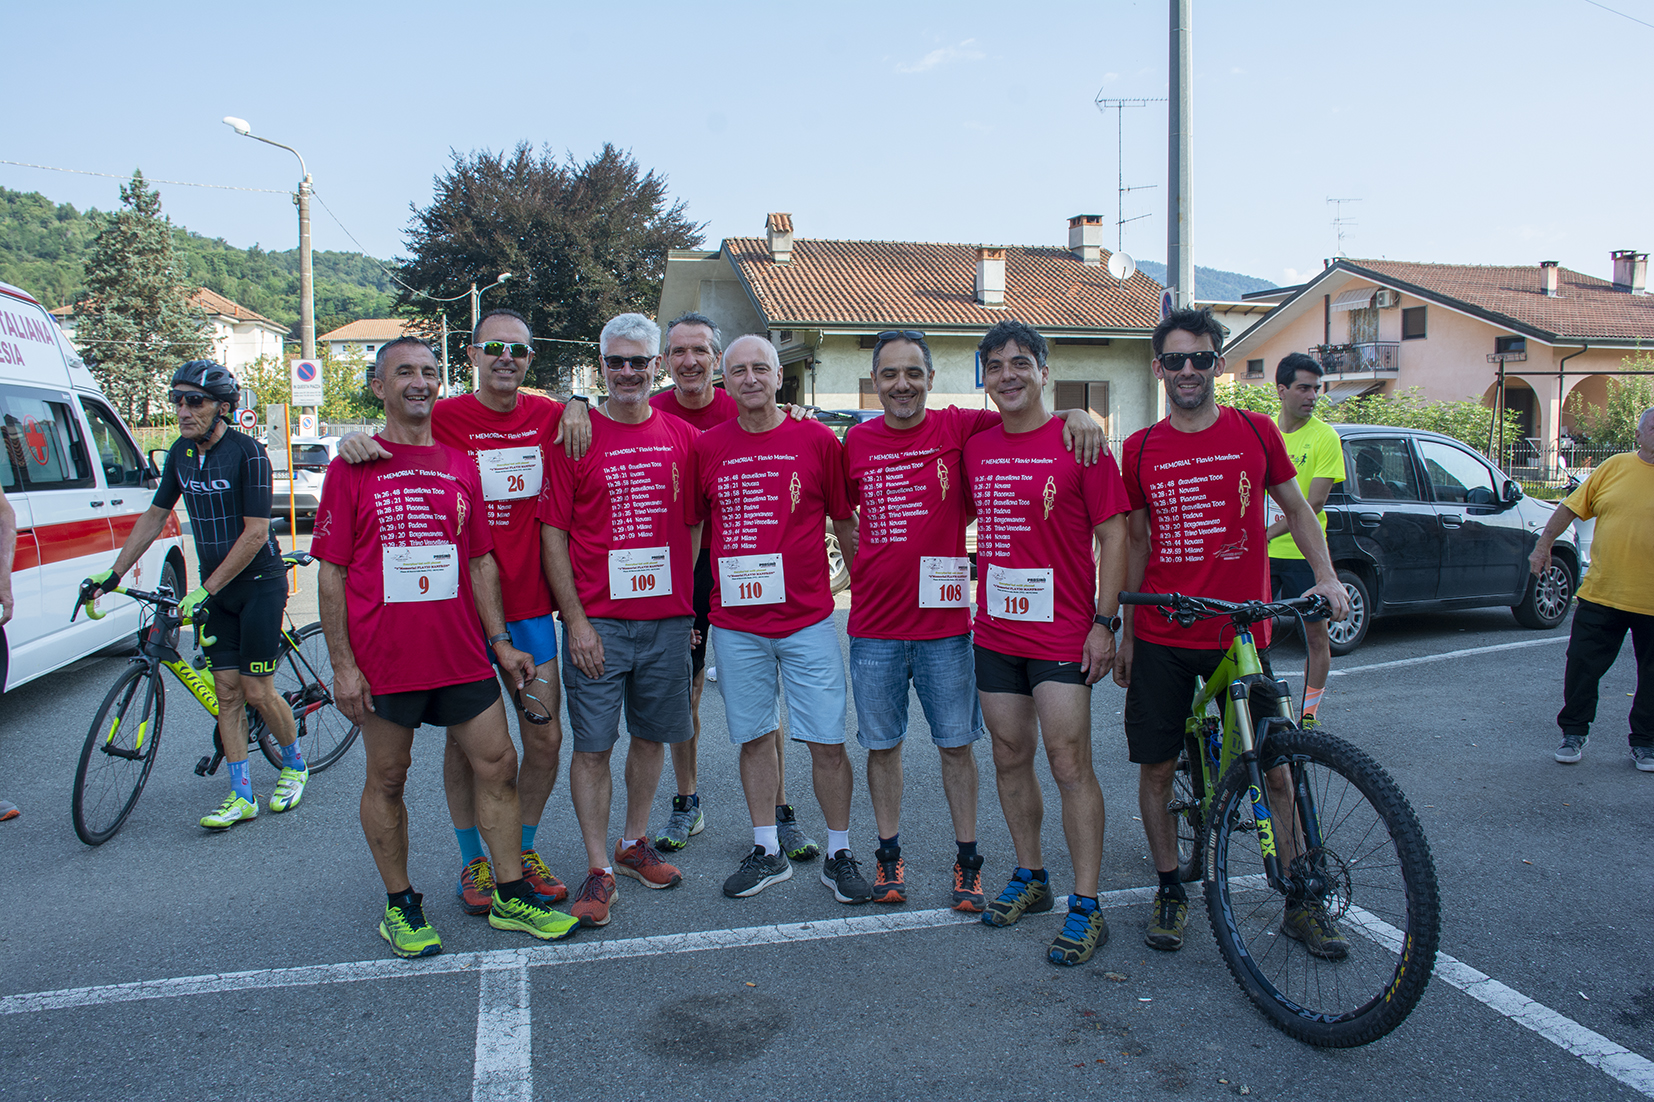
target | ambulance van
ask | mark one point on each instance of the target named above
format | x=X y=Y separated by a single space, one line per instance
x=78 y=484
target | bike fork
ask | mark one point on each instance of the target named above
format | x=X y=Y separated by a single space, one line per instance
x=1257 y=790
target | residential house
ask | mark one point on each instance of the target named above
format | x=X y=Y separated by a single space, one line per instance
x=239 y=335
x=364 y=337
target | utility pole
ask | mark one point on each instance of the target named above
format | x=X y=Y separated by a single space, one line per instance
x=1339 y=221
x=1120 y=218
x=1180 y=263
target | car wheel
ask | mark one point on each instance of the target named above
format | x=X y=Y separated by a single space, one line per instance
x=1347 y=634
x=838 y=571
x=1547 y=598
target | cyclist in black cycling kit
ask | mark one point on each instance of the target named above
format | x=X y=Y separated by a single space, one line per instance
x=224 y=478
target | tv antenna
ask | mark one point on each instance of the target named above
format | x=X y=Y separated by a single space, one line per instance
x=1105 y=105
x=1339 y=221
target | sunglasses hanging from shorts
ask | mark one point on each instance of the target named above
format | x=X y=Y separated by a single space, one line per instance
x=496 y=348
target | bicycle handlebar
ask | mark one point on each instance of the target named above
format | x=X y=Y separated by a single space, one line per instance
x=1186 y=610
x=166 y=605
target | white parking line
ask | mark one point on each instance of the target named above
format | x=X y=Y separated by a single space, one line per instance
x=503 y=1070
x=1423 y=658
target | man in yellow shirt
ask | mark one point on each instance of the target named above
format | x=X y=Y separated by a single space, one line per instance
x=1319 y=456
x=1617 y=596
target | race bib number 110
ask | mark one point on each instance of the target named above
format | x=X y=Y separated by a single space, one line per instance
x=751 y=580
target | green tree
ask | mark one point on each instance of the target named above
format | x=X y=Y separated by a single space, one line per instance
x=136 y=321
x=1614 y=424
x=1468 y=421
x=583 y=241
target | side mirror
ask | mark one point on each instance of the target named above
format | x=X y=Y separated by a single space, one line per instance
x=157 y=462
x=1512 y=492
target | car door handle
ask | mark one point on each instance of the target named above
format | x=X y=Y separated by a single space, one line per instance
x=97 y=505
x=117 y=501
x=1452 y=520
x=1370 y=520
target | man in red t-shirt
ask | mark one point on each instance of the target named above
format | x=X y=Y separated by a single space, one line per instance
x=767 y=483
x=1196 y=482
x=1045 y=626
x=623 y=576
x=910 y=619
x=508 y=435
x=408 y=590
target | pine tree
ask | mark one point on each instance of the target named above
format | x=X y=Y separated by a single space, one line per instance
x=137 y=322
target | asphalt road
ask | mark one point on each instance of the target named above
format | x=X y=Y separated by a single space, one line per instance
x=257 y=970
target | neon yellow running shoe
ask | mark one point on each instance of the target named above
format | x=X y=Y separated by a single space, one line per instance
x=233 y=810
x=532 y=915
x=409 y=934
x=289 y=789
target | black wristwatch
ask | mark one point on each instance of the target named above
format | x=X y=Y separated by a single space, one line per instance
x=502 y=637
x=1112 y=623
x=581 y=398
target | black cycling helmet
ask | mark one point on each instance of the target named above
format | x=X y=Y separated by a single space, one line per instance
x=211 y=377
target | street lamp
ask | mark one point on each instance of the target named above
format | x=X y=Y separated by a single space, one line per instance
x=307 y=294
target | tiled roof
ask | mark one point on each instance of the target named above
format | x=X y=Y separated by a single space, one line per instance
x=875 y=283
x=370 y=329
x=1585 y=308
x=214 y=303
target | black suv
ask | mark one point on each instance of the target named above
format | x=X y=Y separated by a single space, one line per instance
x=1421 y=523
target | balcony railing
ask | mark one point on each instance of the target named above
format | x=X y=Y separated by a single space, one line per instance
x=1367 y=357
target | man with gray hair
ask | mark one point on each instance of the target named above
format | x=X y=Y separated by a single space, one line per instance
x=622 y=577
x=1616 y=597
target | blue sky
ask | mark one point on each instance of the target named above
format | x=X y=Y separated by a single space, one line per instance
x=1502 y=133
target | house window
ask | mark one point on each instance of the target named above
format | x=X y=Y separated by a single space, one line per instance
x=369 y=347
x=1084 y=395
x=1254 y=369
x=1510 y=344
x=869 y=397
x=1412 y=323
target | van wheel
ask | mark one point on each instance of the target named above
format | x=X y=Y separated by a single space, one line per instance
x=1348 y=633
x=838 y=571
x=1547 y=598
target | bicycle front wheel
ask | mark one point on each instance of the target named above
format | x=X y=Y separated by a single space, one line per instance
x=1360 y=868
x=118 y=754
x=304 y=678
x=1187 y=792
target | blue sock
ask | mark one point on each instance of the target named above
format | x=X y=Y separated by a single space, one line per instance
x=967 y=850
x=694 y=799
x=892 y=842
x=528 y=835
x=470 y=844
x=240 y=783
x=292 y=757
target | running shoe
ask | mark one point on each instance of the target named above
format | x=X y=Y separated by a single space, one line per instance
x=289 y=789
x=1171 y=913
x=967 y=885
x=889 y=876
x=233 y=810
x=1572 y=749
x=404 y=926
x=532 y=915
x=8 y=810
x=476 y=887
x=540 y=878
x=1309 y=722
x=642 y=862
x=842 y=873
x=794 y=842
x=597 y=894
x=686 y=822
x=1309 y=923
x=1643 y=758
x=1085 y=929
x=1023 y=895
x=758 y=871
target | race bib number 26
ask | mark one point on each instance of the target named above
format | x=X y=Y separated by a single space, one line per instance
x=509 y=473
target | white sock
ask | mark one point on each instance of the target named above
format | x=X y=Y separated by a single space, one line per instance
x=628 y=843
x=837 y=840
x=765 y=836
x=608 y=870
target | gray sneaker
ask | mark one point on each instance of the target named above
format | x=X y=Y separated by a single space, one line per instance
x=842 y=873
x=1643 y=758
x=686 y=822
x=1573 y=748
x=794 y=842
x=758 y=871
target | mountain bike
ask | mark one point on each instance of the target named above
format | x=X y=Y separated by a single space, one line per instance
x=1276 y=817
x=120 y=746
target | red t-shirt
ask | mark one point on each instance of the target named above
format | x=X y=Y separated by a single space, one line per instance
x=1036 y=508
x=509 y=453
x=767 y=496
x=722 y=408
x=1205 y=495
x=630 y=547
x=406 y=529
x=914 y=508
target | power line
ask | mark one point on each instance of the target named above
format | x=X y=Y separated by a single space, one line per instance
x=113 y=176
x=390 y=274
x=1621 y=14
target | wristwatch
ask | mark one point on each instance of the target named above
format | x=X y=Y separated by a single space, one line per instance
x=581 y=398
x=502 y=637
x=1112 y=623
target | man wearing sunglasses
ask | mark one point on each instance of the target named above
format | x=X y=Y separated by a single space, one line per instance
x=224 y=478
x=507 y=435
x=1197 y=481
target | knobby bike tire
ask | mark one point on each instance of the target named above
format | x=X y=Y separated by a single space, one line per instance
x=113 y=766
x=1382 y=896
x=1191 y=827
x=304 y=677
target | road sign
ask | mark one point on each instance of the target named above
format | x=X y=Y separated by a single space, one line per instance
x=1166 y=304
x=307 y=424
x=247 y=400
x=307 y=383
x=246 y=418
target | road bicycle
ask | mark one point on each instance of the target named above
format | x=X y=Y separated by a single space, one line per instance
x=1273 y=816
x=120 y=746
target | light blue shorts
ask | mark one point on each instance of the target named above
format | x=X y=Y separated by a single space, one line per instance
x=538 y=636
x=752 y=670
x=943 y=673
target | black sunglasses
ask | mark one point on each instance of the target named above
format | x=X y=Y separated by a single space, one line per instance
x=1200 y=361
x=194 y=399
x=636 y=363
x=494 y=348
x=900 y=335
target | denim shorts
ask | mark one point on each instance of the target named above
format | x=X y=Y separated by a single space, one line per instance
x=1290 y=578
x=942 y=672
x=754 y=669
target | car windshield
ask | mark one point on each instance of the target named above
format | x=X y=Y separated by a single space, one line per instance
x=311 y=457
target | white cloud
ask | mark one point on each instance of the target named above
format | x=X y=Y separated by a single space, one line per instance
x=965 y=51
x=1291 y=275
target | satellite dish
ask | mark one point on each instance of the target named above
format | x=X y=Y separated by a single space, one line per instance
x=1121 y=267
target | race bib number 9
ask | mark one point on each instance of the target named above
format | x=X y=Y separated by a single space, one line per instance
x=751 y=580
x=1022 y=594
x=510 y=473
x=639 y=572
x=428 y=573
x=944 y=581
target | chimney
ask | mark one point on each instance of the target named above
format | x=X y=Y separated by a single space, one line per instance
x=780 y=229
x=1085 y=238
x=990 y=277
x=1630 y=271
x=1547 y=277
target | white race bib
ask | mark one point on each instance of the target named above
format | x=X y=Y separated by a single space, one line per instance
x=428 y=573
x=751 y=580
x=944 y=582
x=510 y=473
x=639 y=572
x=1271 y=511
x=1022 y=594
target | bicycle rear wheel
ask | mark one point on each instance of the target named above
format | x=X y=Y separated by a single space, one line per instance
x=304 y=678
x=1371 y=874
x=118 y=754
